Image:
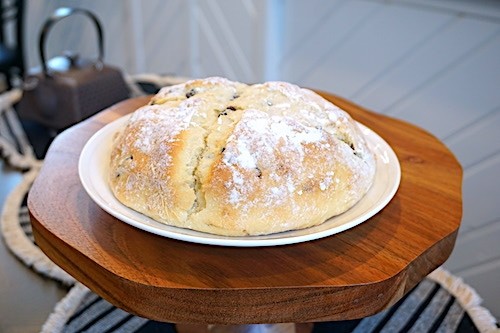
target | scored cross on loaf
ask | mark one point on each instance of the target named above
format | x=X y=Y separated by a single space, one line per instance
x=232 y=159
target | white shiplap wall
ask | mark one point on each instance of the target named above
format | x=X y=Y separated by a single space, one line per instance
x=433 y=63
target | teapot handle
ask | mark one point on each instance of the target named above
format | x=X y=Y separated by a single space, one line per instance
x=60 y=14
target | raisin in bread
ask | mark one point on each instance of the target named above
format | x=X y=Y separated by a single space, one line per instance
x=233 y=159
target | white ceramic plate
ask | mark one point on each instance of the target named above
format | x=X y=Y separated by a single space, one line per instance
x=93 y=170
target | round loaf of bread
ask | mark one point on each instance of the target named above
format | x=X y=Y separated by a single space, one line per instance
x=232 y=159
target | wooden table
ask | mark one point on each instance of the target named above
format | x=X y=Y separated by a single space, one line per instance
x=350 y=275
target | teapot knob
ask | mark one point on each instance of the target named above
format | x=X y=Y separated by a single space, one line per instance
x=72 y=57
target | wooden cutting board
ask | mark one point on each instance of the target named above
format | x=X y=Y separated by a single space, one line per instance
x=349 y=275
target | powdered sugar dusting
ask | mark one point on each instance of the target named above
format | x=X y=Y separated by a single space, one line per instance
x=258 y=138
x=214 y=80
x=291 y=91
x=245 y=158
x=160 y=123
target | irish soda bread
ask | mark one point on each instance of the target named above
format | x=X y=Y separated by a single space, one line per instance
x=232 y=159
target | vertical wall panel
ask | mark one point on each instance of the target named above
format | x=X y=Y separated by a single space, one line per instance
x=304 y=39
x=117 y=33
x=459 y=96
x=478 y=140
x=377 y=42
x=213 y=56
x=166 y=37
x=481 y=194
x=480 y=245
x=227 y=38
x=299 y=31
x=322 y=44
x=419 y=67
x=234 y=24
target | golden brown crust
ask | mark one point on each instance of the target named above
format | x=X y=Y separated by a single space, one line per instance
x=222 y=157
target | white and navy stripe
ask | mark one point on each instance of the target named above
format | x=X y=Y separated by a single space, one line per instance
x=427 y=308
x=96 y=315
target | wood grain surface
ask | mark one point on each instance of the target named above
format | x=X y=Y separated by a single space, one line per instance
x=349 y=275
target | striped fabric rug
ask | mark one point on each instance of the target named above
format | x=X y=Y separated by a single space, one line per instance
x=428 y=308
x=15 y=148
x=95 y=314
x=440 y=303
